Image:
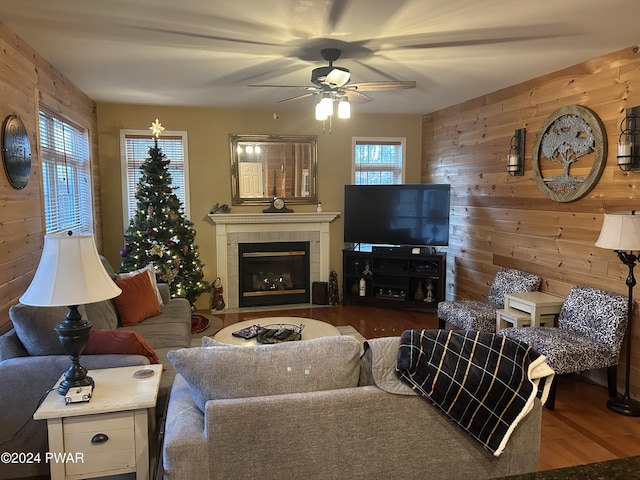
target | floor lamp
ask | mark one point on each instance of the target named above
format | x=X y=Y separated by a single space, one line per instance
x=621 y=233
x=70 y=273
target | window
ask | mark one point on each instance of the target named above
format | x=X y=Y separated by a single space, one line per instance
x=66 y=175
x=378 y=161
x=134 y=148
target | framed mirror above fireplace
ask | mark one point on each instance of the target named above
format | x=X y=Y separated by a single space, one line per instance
x=265 y=166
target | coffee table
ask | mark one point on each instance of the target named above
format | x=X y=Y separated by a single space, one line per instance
x=312 y=329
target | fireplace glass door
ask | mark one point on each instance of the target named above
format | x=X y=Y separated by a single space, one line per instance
x=273 y=273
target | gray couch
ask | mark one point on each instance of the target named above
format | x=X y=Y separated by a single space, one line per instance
x=319 y=410
x=32 y=360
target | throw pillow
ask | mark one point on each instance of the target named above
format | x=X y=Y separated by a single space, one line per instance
x=137 y=301
x=101 y=314
x=104 y=342
x=34 y=327
x=378 y=366
x=221 y=372
x=151 y=271
x=11 y=347
x=210 y=342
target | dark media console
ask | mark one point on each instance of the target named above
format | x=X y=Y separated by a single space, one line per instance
x=394 y=277
x=402 y=250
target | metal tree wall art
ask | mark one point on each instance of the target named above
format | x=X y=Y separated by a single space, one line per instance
x=569 y=135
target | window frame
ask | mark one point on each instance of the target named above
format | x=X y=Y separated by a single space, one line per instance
x=402 y=141
x=124 y=169
x=80 y=162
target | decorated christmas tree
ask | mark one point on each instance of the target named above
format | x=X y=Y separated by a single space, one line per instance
x=159 y=233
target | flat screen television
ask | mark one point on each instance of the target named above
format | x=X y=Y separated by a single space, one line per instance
x=410 y=214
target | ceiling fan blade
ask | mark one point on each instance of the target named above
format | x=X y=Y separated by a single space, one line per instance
x=280 y=86
x=357 y=97
x=380 y=86
x=298 y=97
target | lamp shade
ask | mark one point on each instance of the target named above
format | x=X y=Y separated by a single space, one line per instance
x=69 y=273
x=321 y=114
x=344 y=108
x=620 y=231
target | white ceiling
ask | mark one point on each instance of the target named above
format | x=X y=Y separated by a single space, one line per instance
x=206 y=52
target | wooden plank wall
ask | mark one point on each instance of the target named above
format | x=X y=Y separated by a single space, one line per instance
x=499 y=220
x=26 y=80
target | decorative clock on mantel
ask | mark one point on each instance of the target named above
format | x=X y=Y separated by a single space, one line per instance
x=16 y=151
x=277 y=206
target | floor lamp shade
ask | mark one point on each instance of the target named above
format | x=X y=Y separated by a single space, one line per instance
x=70 y=274
x=621 y=233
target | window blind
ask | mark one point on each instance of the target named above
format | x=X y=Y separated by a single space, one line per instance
x=66 y=175
x=378 y=162
x=136 y=151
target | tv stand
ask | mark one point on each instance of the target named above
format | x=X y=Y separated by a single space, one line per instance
x=394 y=277
x=402 y=249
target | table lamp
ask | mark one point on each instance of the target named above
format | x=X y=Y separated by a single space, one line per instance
x=70 y=274
x=621 y=233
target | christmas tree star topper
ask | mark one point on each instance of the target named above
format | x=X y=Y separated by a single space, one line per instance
x=156 y=128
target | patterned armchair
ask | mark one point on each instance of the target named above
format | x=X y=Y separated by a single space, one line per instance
x=591 y=327
x=479 y=315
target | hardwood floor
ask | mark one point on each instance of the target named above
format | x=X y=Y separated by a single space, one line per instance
x=580 y=430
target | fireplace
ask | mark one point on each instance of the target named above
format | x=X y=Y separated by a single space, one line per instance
x=232 y=229
x=273 y=273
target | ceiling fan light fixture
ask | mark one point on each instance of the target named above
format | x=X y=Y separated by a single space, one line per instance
x=326 y=104
x=332 y=83
x=321 y=114
x=344 y=108
x=338 y=77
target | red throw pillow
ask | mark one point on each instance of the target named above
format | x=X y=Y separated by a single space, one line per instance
x=137 y=301
x=102 y=342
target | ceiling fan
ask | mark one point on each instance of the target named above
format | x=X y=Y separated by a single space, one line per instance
x=334 y=82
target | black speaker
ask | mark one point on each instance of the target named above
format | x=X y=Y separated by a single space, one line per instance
x=319 y=293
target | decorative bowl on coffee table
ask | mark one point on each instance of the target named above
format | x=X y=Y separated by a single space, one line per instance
x=279 y=332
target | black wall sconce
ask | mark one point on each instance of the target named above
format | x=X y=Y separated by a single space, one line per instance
x=628 y=149
x=515 y=158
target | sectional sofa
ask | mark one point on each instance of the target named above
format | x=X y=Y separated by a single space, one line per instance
x=319 y=410
x=32 y=360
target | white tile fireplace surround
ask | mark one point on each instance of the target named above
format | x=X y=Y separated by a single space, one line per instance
x=234 y=228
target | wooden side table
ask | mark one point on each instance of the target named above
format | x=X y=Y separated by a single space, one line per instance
x=109 y=435
x=538 y=307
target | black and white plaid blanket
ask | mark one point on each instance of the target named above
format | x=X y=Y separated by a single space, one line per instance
x=484 y=382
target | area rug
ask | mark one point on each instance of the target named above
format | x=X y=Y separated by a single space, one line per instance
x=210 y=329
x=199 y=323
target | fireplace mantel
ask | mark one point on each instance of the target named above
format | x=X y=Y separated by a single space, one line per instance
x=256 y=218
x=234 y=228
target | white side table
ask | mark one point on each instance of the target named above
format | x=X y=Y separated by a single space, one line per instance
x=511 y=317
x=538 y=305
x=108 y=435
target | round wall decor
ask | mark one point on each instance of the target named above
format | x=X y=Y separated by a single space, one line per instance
x=572 y=136
x=16 y=151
